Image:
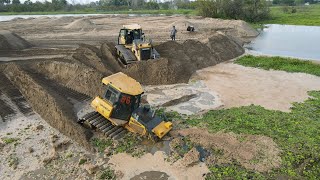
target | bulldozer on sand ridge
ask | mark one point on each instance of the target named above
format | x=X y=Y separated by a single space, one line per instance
x=120 y=110
x=132 y=46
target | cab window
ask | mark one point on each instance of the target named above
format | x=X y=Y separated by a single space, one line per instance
x=123 y=32
x=112 y=95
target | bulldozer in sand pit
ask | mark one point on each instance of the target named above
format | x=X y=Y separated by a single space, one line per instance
x=132 y=46
x=120 y=110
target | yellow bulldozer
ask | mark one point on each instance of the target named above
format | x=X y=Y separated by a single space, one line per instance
x=133 y=47
x=120 y=110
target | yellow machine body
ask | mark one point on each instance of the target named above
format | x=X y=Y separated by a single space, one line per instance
x=132 y=46
x=121 y=106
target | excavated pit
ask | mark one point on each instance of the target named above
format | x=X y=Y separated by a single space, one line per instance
x=53 y=86
x=51 y=106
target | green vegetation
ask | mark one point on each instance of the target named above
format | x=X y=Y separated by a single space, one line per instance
x=9 y=140
x=107 y=174
x=92 y=11
x=128 y=145
x=300 y=15
x=233 y=171
x=101 y=144
x=251 y=11
x=82 y=161
x=183 y=147
x=13 y=161
x=280 y=63
x=297 y=133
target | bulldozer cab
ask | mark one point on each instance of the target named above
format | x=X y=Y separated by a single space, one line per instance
x=122 y=104
x=129 y=33
x=123 y=94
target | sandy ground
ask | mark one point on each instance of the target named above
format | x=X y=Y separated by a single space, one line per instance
x=242 y=86
x=32 y=145
x=69 y=31
x=134 y=166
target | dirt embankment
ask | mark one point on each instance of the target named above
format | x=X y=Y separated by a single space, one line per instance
x=178 y=62
x=75 y=76
x=11 y=41
x=254 y=152
x=56 y=110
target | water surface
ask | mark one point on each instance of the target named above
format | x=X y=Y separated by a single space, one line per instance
x=288 y=40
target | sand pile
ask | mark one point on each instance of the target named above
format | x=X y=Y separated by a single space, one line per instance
x=62 y=20
x=244 y=29
x=178 y=62
x=91 y=56
x=181 y=25
x=11 y=41
x=84 y=24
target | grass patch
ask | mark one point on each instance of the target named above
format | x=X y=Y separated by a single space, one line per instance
x=10 y=140
x=82 y=161
x=107 y=174
x=128 y=144
x=305 y=15
x=101 y=144
x=297 y=133
x=280 y=63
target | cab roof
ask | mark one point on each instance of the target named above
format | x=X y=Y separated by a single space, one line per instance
x=132 y=26
x=124 y=83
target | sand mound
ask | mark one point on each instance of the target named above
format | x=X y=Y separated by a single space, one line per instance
x=61 y=20
x=81 y=24
x=244 y=29
x=254 y=152
x=181 y=25
x=11 y=41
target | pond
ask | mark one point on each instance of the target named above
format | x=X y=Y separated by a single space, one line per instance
x=287 y=40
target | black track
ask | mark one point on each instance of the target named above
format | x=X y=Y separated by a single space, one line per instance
x=97 y=121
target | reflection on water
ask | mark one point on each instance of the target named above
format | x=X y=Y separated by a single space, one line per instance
x=288 y=40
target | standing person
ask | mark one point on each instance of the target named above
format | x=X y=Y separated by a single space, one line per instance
x=173 y=33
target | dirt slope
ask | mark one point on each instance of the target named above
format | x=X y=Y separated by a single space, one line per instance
x=56 y=110
x=11 y=41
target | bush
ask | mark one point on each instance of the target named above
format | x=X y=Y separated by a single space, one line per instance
x=248 y=10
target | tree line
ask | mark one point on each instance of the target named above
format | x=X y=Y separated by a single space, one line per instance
x=102 y=5
x=248 y=10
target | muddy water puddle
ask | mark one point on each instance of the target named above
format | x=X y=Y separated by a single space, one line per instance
x=186 y=99
x=287 y=40
x=152 y=147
